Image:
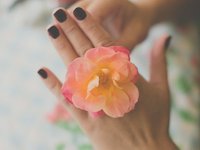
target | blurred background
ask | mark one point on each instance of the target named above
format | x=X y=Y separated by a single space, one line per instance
x=25 y=104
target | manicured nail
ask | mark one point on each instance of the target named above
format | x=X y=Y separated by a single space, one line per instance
x=60 y=15
x=53 y=32
x=167 y=42
x=43 y=73
x=79 y=13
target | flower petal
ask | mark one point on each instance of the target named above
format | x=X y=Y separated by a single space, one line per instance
x=93 y=84
x=97 y=114
x=121 y=49
x=132 y=91
x=83 y=69
x=117 y=62
x=78 y=70
x=121 y=68
x=119 y=56
x=67 y=94
x=133 y=76
x=98 y=53
x=118 y=104
x=70 y=80
x=102 y=80
x=90 y=103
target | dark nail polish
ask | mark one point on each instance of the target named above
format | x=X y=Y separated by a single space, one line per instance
x=43 y=73
x=79 y=13
x=60 y=15
x=167 y=42
x=53 y=32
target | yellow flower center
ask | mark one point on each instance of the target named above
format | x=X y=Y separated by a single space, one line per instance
x=104 y=78
x=103 y=82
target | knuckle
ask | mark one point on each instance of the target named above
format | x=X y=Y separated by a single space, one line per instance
x=105 y=42
x=61 y=45
x=84 y=48
x=52 y=86
x=92 y=27
x=70 y=29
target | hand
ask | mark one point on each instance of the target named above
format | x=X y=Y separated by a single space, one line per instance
x=126 y=21
x=146 y=127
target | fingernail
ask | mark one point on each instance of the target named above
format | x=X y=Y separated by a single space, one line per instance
x=79 y=13
x=60 y=15
x=53 y=32
x=167 y=42
x=43 y=73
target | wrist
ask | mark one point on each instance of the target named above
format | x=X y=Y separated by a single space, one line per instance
x=165 y=144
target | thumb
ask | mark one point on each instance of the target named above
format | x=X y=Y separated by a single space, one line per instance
x=158 y=64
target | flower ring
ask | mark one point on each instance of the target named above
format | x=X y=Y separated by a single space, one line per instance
x=102 y=80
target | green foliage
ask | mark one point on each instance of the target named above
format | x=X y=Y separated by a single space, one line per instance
x=69 y=126
x=60 y=146
x=183 y=84
x=85 y=147
x=187 y=116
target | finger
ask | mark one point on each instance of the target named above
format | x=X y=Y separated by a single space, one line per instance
x=54 y=85
x=102 y=8
x=158 y=65
x=94 y=31
x=61 y=44
x=74 y=34
x=80 y=3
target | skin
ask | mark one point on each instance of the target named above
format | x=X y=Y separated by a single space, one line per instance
x=129 y=21
x=146 y=127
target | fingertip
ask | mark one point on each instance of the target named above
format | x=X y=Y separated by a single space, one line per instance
x=53 y=31
x=60 y=15
x=168 y=42
x=79 y=13
x=164 y=42
x=56 y=9
x=42 y=73
x=161 y=45
x=45 y=73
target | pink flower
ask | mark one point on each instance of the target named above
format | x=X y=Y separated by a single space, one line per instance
x=102 y=80
x=59 y=114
